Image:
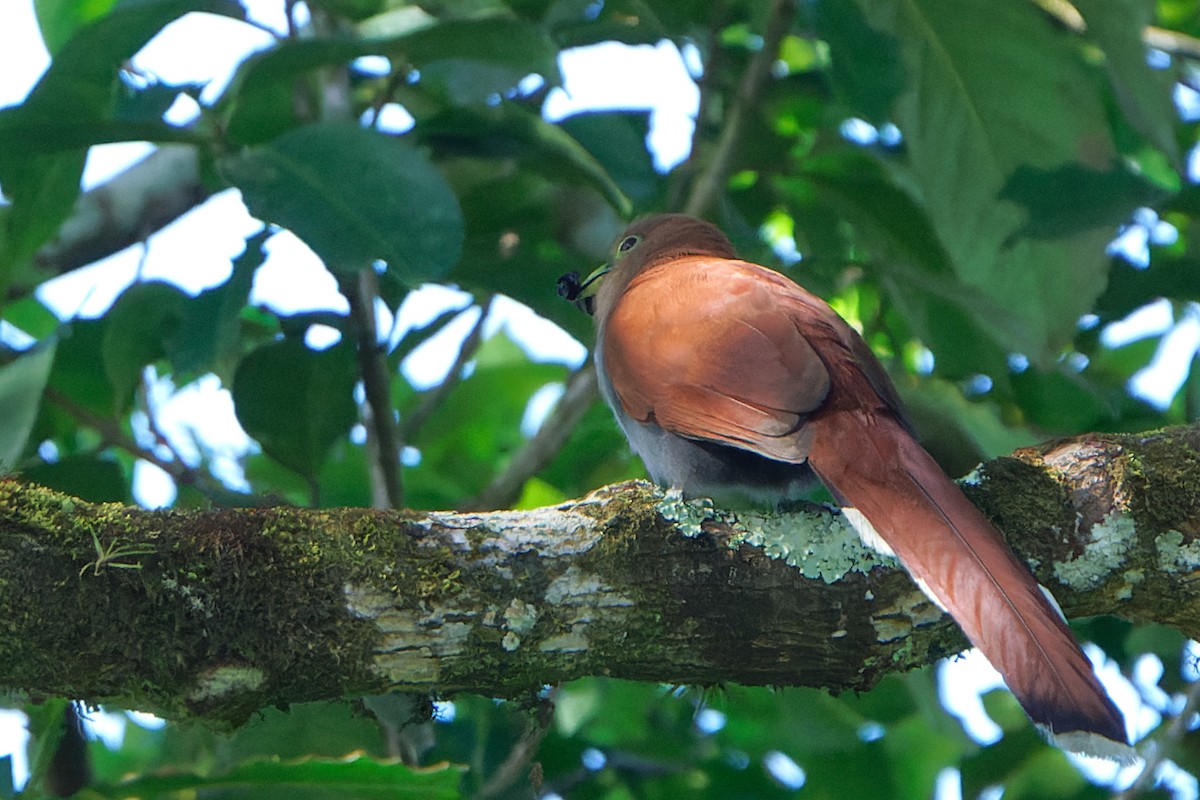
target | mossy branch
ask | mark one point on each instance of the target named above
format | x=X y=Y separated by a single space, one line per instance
x=216 y=614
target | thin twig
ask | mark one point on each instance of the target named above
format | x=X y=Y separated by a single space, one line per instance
x=522 y=752
x=113 y=435
x=708 y=185
x=1173 y=42
x=387 y=488
x=395 y=79
x=155 y=429
x=412 y=423
x=1156 y=752
x=541 y=448
x=706 y=84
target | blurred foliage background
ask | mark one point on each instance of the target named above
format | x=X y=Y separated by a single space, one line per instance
x=951 y=177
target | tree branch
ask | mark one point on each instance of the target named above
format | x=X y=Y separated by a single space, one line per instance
x=712 y=179
x=412 y=422
x=113 y=435
x=127 y=209
x=387 y=490
x=233 y=611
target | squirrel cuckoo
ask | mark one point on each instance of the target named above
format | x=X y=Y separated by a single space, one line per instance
x=729 y=378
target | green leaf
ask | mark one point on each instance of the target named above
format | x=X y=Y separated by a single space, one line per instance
x=865 y=194
x=492 y=53
x=7 y=789
x=30 y=316
x=976 y=108
x=959 y=433
x=329 y=729
x=864 y=68
x=25 y=131
x=509 y=130
x=953 y=319
x=260 y=102
x=463 y=440
x=1143 y=93
x=76 y=374
x=297 y=402
x=21 y=384
x=1061 y=402
x=350 y=9
x=617 y=140
x=211 y=337
x=1072 y=198
x=1130 y=288
x=353 y=777
x=476 y=58
x=142 y=327
x=84 y=74
x=88 y=477
x=59 y=19
x=42 y=190
x=354 y=195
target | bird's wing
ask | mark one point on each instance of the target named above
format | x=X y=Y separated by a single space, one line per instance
x=712 y=349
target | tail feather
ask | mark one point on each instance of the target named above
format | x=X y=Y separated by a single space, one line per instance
x=872 y=464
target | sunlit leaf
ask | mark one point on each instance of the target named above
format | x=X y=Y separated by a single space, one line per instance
x=976 y=108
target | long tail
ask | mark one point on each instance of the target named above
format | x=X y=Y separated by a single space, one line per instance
x=870 y=462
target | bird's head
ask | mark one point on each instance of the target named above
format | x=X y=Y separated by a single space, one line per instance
x=647 y=242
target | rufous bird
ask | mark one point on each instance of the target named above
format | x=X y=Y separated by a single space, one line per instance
x=730 y=379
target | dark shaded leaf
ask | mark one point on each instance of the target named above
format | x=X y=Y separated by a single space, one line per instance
x=42 y=190
x=59 y=19
x=495 y=53
x=464 y=441
x=617 y=139
x=357 y=777
x=78 y=372
x=297 y=402
x=1058 y=402
x=1130 y=288
x=1143 y=93
x=354 y=195
x=88 y=477
x=74 y=97
x=977 y=106
x=210 y=322
x=141 y=328
x=864 y=67
x=512 y=131
x=1073 y=198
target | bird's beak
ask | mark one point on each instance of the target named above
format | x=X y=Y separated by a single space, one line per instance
x=583 y=294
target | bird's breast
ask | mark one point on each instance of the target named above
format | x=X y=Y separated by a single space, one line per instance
x=730 y=475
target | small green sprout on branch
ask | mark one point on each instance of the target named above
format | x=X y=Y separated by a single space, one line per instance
x=106 y=556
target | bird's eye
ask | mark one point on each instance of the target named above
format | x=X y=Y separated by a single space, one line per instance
x=628 y=243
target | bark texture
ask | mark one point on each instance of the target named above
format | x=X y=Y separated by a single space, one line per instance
x=215 y=614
